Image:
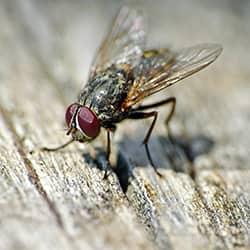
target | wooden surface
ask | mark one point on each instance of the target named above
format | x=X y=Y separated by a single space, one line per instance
x=60 y=200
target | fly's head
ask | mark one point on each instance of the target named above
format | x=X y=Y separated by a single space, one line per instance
x=82 y=122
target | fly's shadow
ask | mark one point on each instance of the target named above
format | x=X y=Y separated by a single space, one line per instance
x=176 y=154
x=122 y=169
x=193 y=146
x=99 y=161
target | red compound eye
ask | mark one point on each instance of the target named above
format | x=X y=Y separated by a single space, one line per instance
x=88 y=122
x=70 y=112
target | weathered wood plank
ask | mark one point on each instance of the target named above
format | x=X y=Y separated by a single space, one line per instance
x=90 y=212
x=45 y=52
x=25 y=214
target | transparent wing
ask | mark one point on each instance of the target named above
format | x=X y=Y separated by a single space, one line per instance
x=124 y=43
x=159 y=69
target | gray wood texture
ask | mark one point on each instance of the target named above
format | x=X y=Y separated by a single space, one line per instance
x=59 y=200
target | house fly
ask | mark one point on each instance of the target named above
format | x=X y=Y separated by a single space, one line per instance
x=123 y=74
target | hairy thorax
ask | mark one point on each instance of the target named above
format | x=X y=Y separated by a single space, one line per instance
x=106 y=92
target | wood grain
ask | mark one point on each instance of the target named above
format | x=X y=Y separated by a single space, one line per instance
x=60 y=200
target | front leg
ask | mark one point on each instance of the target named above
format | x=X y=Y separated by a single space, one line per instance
x=108 y=150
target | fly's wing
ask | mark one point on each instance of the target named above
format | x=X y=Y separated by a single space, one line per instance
x=160 y=69
x=124 y=43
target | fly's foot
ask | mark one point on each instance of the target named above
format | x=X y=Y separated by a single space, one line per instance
x=151 y=160
x=106 y=174
x=158 y=173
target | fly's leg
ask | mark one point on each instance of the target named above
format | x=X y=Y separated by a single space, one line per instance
x=170 y=100
x=57 y=148
x=144 y=115
x=169 y=117
x=108 y=145
x=109 y=129
x=107 y=153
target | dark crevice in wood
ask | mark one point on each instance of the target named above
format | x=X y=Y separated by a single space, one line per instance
x=32 y=174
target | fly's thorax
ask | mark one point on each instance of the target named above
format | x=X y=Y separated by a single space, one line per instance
x=106 y=91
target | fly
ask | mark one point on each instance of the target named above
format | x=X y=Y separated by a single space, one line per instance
x=123 y=74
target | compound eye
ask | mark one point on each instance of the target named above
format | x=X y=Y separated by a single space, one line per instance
x=88 y=122
x=70 y=112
